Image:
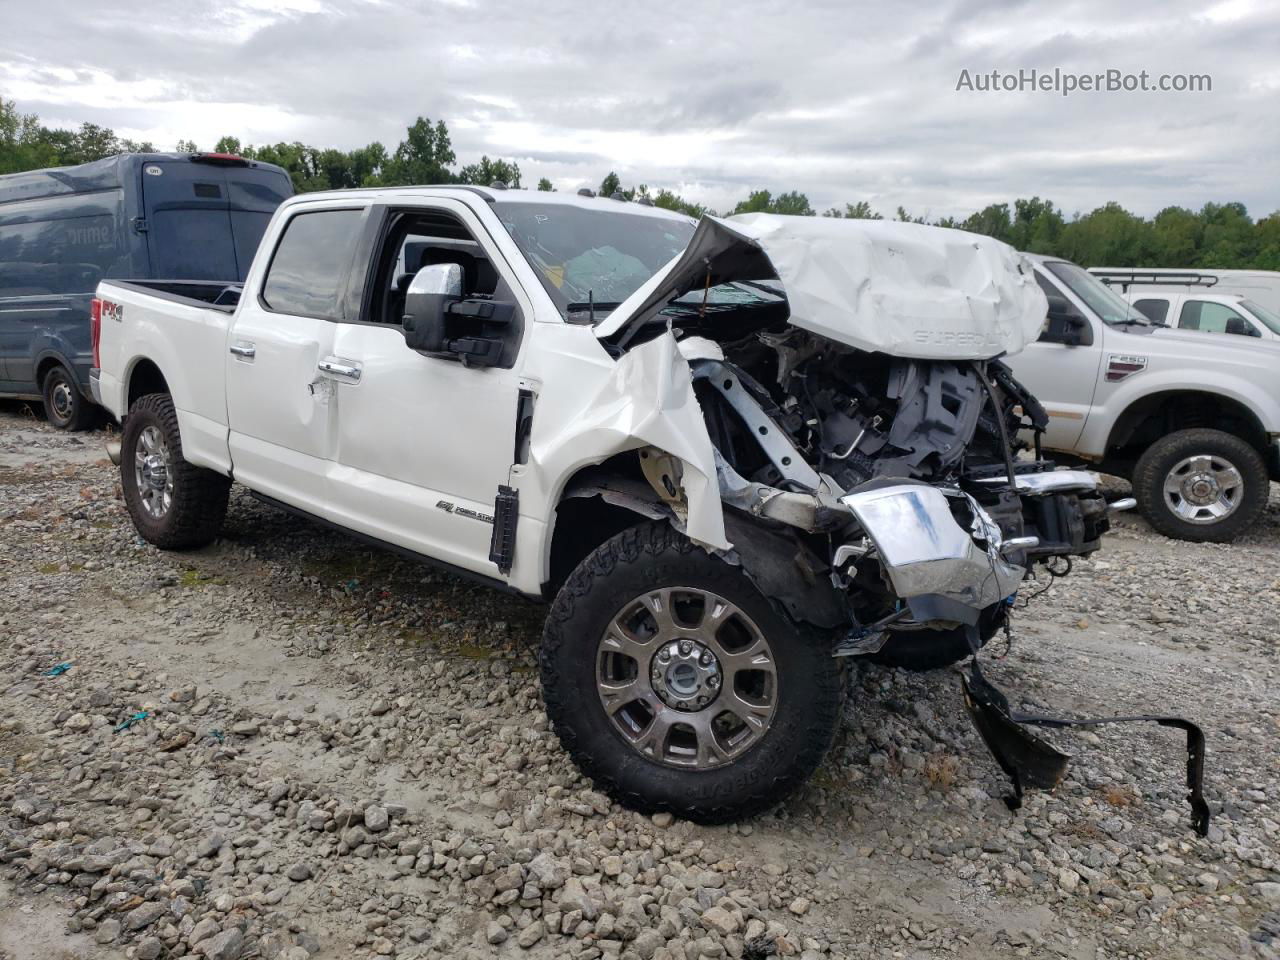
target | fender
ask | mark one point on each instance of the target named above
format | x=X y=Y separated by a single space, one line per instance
x=1098 y=428
x=645 y=399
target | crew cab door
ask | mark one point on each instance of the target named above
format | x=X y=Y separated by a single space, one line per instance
x=280 y=408
x=423 y=442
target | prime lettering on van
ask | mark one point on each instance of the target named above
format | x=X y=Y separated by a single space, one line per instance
x=89 y=236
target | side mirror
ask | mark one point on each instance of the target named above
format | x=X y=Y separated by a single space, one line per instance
x=433 y=289
x=1065 y=324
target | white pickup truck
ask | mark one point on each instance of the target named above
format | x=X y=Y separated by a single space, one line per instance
x=722 y=487
x=1192 y=420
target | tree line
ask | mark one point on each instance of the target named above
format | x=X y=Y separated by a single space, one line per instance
x=1221 y=235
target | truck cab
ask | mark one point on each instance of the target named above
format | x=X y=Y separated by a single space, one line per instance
x=1193 y=420
x=1207 y=313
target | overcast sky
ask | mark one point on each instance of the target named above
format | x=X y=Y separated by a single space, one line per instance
x=841 y=99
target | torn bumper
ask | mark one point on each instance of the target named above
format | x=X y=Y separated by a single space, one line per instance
x=941 y=570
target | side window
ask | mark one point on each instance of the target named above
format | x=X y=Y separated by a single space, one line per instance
x=309 y=268
x=414 y=240
x=1155 y=310
x=1210 y=317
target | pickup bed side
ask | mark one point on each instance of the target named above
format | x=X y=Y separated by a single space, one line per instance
x=148 y=333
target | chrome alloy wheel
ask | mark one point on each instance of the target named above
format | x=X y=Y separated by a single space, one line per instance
x=151 y=472
x=687 y=678
x=1205 y=488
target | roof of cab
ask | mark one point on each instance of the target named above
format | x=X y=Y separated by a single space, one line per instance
x=492 y=195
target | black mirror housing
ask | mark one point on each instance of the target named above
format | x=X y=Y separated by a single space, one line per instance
x=1065 y=324
x=433 y=290
x=440 y=323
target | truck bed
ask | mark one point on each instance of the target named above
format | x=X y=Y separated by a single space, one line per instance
x=203 y=293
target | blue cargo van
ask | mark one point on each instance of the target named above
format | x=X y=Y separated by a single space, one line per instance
x=157 y=216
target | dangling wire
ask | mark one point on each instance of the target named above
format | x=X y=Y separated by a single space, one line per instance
x=706 y=290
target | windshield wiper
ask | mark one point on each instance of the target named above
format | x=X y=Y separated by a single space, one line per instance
x=594 y=307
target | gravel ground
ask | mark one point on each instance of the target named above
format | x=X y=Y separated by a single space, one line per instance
x=339 y=753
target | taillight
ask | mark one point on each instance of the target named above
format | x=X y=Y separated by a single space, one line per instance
x=95 y=330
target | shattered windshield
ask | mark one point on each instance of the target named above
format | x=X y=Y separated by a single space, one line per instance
x=589 y=261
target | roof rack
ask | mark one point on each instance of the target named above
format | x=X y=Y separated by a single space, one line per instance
x=1125 y=279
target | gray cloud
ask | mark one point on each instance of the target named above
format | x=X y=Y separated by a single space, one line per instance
x=844 y=101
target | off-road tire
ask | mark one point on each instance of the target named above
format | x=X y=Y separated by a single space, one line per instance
x=810 y=683
x=80 y=414
x=1162 y=456
x=922 y=650
x=199 y=495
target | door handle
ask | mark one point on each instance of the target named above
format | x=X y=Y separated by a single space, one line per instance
x=243 y=348
x=340 y=369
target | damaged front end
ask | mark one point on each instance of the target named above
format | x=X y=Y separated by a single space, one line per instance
x=872 y=482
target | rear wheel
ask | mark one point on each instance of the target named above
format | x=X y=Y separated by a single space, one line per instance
x=175 y=505
x=1201 y=485
x=675 y=685
x=64 y=405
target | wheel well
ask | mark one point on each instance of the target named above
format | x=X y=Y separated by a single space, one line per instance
x=1160 y=414
x=43 y=368
x=582 y=523
x=145 y=378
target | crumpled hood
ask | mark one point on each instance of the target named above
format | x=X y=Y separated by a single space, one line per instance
x=904 y=289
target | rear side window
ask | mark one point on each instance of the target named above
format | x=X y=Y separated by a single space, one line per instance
x=308 y=272
x=1155 y=310
x=1210 y=317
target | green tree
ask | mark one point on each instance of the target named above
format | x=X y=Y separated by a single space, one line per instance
x=1229 y=237
x=1176 y=235
x=488 y=171
x=544 y=185
x=424 y=156
x=793 y=203
x=672 y=201
x=854 y=211
x=610 y=185
x=1267 y=234
x=904 y=217
x=229 y=145
x=1037 y=225
x=1108 y=236
x=992 y=220
x=187 y=146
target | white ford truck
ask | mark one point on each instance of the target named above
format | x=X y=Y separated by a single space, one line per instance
x=1192 y=420
x=728 y=453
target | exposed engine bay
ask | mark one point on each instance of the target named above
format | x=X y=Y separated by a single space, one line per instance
x=878 y=467
x=829 y=444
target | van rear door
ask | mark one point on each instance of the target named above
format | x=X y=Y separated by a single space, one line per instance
x=205 y=215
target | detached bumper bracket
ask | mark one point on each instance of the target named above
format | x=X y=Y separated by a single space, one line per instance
x=1029 y=761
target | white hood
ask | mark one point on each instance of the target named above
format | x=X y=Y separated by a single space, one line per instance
x=904 y=289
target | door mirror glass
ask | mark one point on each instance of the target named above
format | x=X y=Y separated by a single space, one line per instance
x=432 y=290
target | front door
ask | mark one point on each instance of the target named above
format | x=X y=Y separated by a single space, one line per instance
x=1063 y=378
x=422 y=442
x=280 y=407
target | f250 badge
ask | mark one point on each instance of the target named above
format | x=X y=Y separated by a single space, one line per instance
x=1121 y=366
x=448 y=507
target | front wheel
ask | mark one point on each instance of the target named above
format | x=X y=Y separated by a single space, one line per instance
x=64 y=405
x=174 y=504
x=675 y=685
x=1201 y=485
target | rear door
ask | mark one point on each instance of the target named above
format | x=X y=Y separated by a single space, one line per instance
x=187 y=221
x=205 y=218
x=280 y=410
